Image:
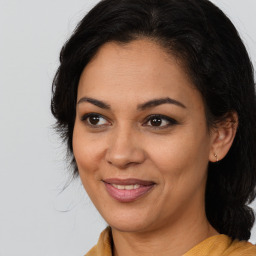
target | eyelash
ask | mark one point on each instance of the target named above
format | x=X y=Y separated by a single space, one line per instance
x=87 y=116
x=170 y=121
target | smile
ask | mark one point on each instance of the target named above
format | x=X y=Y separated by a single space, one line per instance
x=127 y=187
x=127 y=190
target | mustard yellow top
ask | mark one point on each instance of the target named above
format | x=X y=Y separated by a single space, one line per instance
x=219 y=245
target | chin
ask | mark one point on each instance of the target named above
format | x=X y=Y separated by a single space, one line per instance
x=129 y=227
x=129 y=223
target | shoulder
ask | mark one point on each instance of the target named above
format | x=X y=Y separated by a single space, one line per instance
x=222 y=245
x=240 y=248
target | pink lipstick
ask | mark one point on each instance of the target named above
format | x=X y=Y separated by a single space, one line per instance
x=127 y=190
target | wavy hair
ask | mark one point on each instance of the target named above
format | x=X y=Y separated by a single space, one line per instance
x=202 y=37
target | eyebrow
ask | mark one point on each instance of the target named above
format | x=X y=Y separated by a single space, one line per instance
x=157 y=102
x=146 y=105
x=95 y=102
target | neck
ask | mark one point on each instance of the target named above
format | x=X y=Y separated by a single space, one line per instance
x=172 y=239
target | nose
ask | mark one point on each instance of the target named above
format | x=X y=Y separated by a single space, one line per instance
x=125 y=150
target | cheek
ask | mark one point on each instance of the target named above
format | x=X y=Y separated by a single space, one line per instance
x=183 y=155
x=88 y=153
x=88 y=150
x=182 y=166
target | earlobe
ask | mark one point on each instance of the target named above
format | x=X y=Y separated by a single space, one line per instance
x=223 y=135
x=216 y=156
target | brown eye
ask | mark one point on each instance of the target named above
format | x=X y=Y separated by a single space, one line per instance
x=156 y=121
x=95 y=120
x=159 y=121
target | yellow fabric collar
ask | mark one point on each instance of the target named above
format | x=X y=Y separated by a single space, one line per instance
x=219 y=245
x=222 y=245
x=104 y=245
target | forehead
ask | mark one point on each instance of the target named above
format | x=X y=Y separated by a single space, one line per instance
x=138 y=70
x=139 y=56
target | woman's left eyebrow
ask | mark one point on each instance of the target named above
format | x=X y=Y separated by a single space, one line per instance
x=157 y=102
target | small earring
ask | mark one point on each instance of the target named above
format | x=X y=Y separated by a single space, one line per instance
x=216 y=156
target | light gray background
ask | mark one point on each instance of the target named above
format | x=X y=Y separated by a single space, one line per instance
x=35 y=218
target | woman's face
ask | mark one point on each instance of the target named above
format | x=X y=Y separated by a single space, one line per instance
x=140 y=138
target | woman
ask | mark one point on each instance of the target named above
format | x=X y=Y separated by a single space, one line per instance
x=156 y=101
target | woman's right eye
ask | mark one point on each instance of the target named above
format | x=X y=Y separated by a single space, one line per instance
x=95 y=120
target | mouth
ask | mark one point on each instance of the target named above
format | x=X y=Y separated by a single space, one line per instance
x=127 y=190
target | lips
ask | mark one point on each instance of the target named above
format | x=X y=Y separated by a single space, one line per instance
x=127 y=190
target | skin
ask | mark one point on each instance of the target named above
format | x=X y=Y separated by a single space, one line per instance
x=170 y=218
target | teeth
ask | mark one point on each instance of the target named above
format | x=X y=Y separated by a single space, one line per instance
x=126 y=187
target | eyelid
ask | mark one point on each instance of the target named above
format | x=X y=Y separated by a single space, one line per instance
x=167 y=118
x=86 y=116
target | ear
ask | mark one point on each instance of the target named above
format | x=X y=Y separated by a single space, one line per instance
x=222 y=137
